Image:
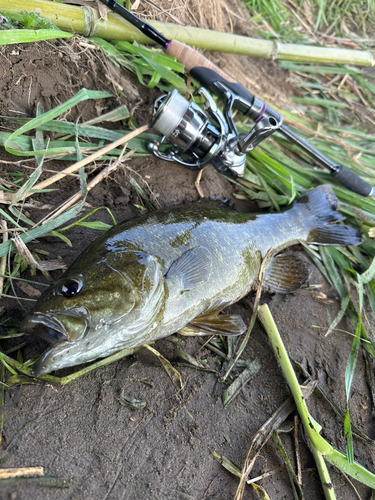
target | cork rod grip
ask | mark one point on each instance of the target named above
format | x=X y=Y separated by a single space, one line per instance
x=190 y=58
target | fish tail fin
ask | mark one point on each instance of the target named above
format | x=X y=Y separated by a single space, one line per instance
x=321 y=208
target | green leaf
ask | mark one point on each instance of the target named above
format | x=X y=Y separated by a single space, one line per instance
x=227 y=464
x=82 y=95
x=7 y=366
x=43 y=229
x=349 y=374
x=80 y=222
x=158 y=63
x=10 y=219
x=192 y=361
x=99 y=225
x=62 y=237
x=332 y=271
x=369 y=274
x=172 y=372
x=139 y=143
x=233 y=390
x=344 y=305
x=8 y=37
x=155 y=79
x=135 y=404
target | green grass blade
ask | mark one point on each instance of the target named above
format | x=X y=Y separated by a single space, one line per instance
x=230 y=467
x=82 y=95
x=171 y=371
x=332 y=271
x=234 y=389
x=10 y=219
x=157 y=63
x=227 y=464
x=43 y=229
x=191 y=361
x=296 y=487
x=117 y=114
x=319 y=102
x=349 y=373
x=6 y=365
x=139 y=143
x=344 y=305
x=369 y=274
x=8 y=37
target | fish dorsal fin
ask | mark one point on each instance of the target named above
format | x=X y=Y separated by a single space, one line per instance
x=215 y=203
x=190 y=270
x=285 y=274
x=230 y=324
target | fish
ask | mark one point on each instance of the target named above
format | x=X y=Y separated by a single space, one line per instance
x=175 y=270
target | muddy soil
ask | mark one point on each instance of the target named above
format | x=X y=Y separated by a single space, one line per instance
x=162 y=452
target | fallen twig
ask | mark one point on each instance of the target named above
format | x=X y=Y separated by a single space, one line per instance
x=21 y=472
x=89 y=159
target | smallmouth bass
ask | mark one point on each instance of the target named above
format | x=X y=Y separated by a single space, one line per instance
x=173 y=271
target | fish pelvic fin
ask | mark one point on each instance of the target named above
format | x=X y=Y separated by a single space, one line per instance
x=285 y=274
x=205 y=324
x=321 y=207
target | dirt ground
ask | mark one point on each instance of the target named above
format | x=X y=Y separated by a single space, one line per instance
x=80 y=431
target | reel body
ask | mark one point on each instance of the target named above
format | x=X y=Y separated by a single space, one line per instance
x=202 y=136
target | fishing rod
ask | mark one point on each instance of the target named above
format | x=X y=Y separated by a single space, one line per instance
x=207 y=135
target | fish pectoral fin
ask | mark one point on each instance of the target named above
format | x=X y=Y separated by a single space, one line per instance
x=230 y=324
x=285 y=274
x=190 y=270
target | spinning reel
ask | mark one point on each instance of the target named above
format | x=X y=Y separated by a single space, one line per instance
x=199 y=137
x=207 y=135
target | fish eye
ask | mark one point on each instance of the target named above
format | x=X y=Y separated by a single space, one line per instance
x=71 y=288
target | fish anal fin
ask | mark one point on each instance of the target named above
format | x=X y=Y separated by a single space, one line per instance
x=285 y=274
x=230 y=324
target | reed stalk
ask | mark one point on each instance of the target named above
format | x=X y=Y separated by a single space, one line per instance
x=86 y=21
x=332 y=456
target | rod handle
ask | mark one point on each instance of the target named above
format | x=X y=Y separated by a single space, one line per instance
x=190 y=58
x=204 y=70
x=353 y=182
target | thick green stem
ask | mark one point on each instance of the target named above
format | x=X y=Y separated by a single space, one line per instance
x=86 y=21
x=11 y=363
x=332 y=456
x=323 y=474
x=99 y=364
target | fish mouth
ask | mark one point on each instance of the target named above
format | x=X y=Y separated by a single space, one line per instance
x=40 y=366
x=60 y=329
x=45 y=328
